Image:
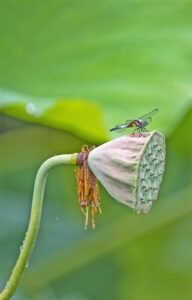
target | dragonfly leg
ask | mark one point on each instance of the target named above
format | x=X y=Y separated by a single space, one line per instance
x=144 y=129
x=135 y=130
x=140 y=130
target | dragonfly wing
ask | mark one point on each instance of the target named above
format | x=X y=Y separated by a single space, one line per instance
x=129 y=121
x=149 y=115
x=148 y=120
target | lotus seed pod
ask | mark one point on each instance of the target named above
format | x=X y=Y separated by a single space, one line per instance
x=131 y=168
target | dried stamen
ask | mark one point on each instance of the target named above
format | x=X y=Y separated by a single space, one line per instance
x=87 y=186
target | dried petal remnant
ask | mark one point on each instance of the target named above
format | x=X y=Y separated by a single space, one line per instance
x=87 y=186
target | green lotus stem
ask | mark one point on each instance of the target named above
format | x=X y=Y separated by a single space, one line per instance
x=34 y=222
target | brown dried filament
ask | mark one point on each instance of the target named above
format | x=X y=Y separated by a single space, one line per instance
x=87 y=186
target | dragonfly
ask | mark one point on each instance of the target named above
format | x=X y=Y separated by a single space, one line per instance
x=139 y=123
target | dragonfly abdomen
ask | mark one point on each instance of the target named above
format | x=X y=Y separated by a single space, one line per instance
x=118 y=127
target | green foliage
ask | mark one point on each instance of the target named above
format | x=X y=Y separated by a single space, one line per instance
x=80 y=117
x=70 y=71
x=127 y=57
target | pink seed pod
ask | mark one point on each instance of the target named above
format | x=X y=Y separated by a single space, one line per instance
x=131 y=168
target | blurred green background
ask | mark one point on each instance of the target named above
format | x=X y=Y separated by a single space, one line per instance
x=70 y=70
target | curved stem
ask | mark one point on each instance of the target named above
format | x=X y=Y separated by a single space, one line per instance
x=34 y=221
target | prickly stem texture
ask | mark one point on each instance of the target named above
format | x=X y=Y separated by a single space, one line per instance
x=131 y=168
